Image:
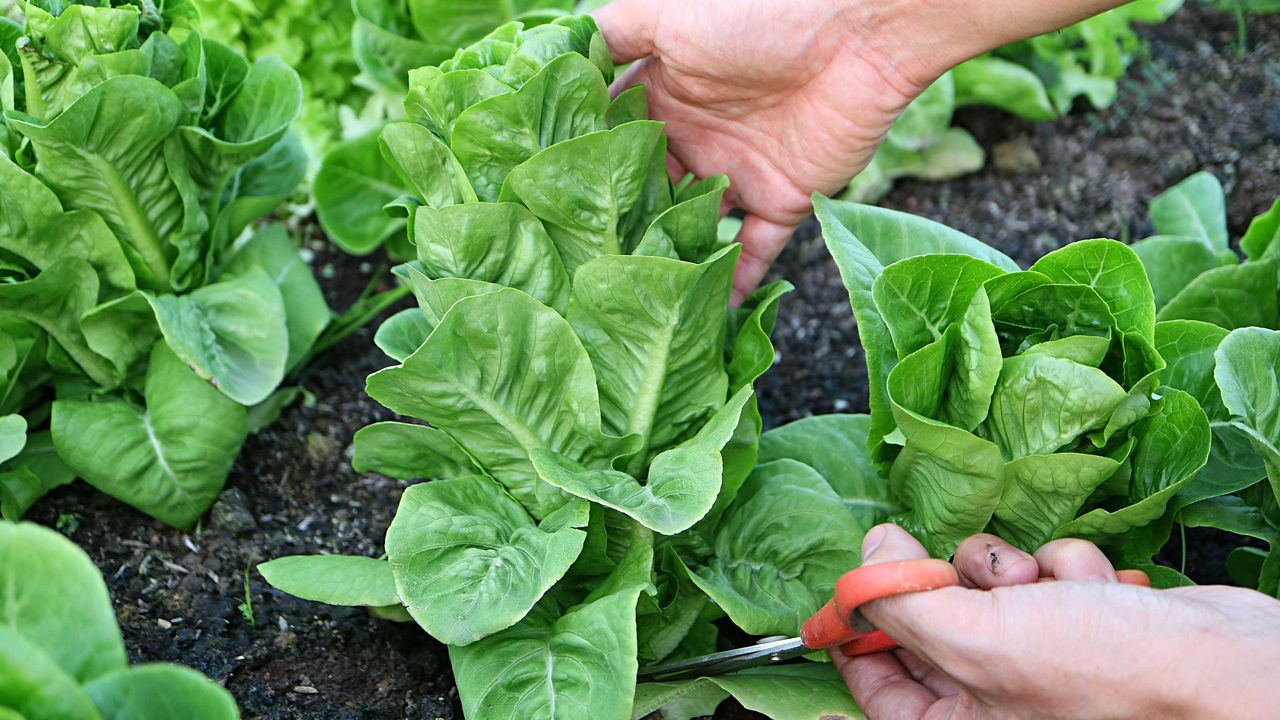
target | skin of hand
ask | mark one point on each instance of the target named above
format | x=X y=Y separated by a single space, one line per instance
x=1082 y=646
x=792 y=97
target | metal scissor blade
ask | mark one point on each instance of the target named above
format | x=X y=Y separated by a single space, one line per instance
x=763 y=653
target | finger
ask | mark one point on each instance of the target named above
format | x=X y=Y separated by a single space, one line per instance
x=637 y=73
x=985 y=561
x=1074 y=559
x=926 y=674
x=882 y=686
x=628 y=27
x=887 y=542
x=762 y=241
x=939 y=624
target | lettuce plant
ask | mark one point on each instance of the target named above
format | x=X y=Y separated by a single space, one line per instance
x=137 y=321
x=585 y=400
x=1027 y=403
x=1106 y=392
x=61 y=653
x=391 y=39
x=1218 y=328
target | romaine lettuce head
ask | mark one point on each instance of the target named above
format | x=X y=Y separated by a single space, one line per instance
x=1022 y=401
x=136 y=153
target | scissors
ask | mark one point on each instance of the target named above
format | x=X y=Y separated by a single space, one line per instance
x=838 y=623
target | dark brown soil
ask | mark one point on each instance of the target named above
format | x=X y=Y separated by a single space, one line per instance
x=1194 y=105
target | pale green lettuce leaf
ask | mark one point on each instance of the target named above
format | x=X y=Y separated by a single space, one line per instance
x=35 y=687
x=1195 y=207
x=1114 y=271
x=159 y=691
x=566 y=99
x=425 y=164
x=106 y=153
x=1232 y=296
x=1248 y=375
x=334 y=579
x=13 y=436
x=169 y=458
x=504 y=375
x=836 y=447
x=1173 y=262
x=233 y=333
x=579 y=664
x=682 y=484
x=469 y=561
x=409 y=452
x=1042 y=404
x=1262 y=239
x=863 y=240
x=920 y=297
x=1043 y=492
x=582 y=188
x=305 y=312
x=806 y=691
x=654 y=329
x=352 y=185
x=402 y=334
x=52 y=596
x=500 y=243
x=779 y=549
x=1172 y=445
x=1000 y=83
x=55 y=300
x=30 y=475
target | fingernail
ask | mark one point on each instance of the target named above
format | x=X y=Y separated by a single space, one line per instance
x=995 y=562
x=872 y=540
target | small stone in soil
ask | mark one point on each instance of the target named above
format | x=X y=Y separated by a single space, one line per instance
x=231 y=513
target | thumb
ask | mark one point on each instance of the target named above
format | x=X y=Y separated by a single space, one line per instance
x=628 y=27
x=931 y=623
x=889 y=543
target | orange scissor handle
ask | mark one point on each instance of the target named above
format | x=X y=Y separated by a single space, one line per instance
x=840 y=623
x=835 y=623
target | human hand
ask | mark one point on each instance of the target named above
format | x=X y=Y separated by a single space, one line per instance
x=1004 y=646
x=783 y=96
x=792 y=97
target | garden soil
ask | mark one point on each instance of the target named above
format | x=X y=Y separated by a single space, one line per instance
x=1196 y=103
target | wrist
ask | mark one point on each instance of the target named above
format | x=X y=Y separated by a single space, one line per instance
x=916 y=41
x=1221 y=673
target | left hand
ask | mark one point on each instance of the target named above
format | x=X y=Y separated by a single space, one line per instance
x=1083 y=646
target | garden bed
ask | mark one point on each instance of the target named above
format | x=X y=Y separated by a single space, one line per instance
x=1194 y=104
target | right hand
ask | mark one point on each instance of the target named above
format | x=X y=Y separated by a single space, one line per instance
x=1085 y=646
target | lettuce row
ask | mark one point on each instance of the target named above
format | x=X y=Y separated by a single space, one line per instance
x=61 y=652
x=590 y=427
x=1038 y=79
x=136 y=154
